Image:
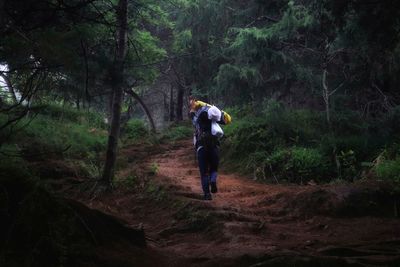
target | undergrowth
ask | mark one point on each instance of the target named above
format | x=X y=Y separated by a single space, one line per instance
x=177 y=132
x=276 y=143
x=55 y=133
x=387 y=165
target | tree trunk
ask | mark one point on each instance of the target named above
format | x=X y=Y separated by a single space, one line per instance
x=171 y=104
x=10 y=87
x=144 y=107
x=326 y=96
x=179 y=103
x=166 y=107
x=326 y=93
x=181 y=93
x=78 y=105
x=87 y=95
x=117 y=75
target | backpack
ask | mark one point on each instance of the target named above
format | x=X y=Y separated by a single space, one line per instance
x=208 y=141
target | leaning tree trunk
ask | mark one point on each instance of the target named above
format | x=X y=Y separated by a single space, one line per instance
x=117 y=76
x=144 y=107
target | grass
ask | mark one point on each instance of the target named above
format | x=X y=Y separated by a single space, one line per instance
x=68 y=136
x=44 y=135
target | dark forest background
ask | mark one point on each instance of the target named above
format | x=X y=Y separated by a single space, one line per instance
x=312 y=87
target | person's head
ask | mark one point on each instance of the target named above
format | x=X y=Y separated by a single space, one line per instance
x=191 y=102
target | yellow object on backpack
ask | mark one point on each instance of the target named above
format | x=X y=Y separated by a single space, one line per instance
x=227 y=118
x=196 y=104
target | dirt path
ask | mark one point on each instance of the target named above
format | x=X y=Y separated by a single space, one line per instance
x=248 y=222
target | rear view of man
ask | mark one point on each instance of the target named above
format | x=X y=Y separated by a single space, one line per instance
x=205 y=119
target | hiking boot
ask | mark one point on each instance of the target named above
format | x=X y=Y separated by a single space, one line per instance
x=214 y=188
x=207 y=197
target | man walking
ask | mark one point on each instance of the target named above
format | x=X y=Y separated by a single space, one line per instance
x=205 y=120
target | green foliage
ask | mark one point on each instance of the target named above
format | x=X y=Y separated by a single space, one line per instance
x=129 y=182
x=136 y=130
x=293 y=164
x=236 y=79
x=296 y=145
x=265 y=140
x=275 y=127
x=387 y=164
x=255 y=61
x=306 y=164
x=44 y=135
x=71 y=114
x=389 y=170
x=89 y=168
x=156 y=192
x=154 y=168
x=150 y=52
x=176 y=133
x=293 y=19
x=182 y=41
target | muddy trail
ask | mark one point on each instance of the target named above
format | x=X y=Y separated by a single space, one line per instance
x=249 y=223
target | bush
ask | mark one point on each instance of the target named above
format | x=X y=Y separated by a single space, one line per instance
x=57 y=131
x=44 y=135
x=389 y=170
x=298 y=164
x=245 y=137
x=179 y=132
x=306 y=164
x=256 y=140
x=387 y=165
x=298 y=145
x=136 y=130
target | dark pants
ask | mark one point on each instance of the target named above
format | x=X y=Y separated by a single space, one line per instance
x=208 y=164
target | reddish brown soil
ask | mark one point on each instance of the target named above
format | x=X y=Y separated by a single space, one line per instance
x=248 y=222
